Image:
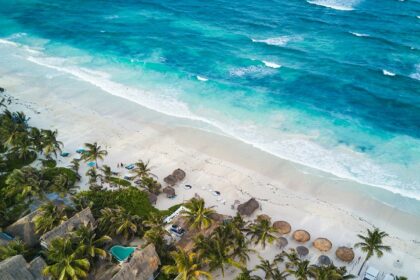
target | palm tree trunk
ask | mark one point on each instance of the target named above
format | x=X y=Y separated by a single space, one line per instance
x=363 y=264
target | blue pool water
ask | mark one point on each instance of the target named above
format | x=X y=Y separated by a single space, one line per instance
x=121 y=253
x=331 y=84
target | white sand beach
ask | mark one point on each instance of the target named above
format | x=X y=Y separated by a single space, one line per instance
x=323 y=205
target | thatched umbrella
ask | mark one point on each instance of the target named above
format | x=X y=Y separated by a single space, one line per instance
x=170 y=180
x=282 y=242
x=301 y=235
x=302 y=251
x=217 y=217
x=282 y=227
x=170 y=192
x=345 y=254
x=322 y=244
x=324 y=260
x=263 y=217
x=248 y=207
x=179 y=174
x=152 y=198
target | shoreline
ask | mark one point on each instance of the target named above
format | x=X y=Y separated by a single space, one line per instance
x=305 y=197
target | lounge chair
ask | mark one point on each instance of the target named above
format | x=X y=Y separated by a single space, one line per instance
x=64 y=154
x=129 y=167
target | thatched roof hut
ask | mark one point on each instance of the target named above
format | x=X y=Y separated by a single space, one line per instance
x=142 y=265
x=17 y=268
x=345 y=254
x=282 y=227
x=282 y=242
x=152 y=198
x=170 y=192
x=302 y=251
x=24 y=228
x=301 y=235
x=248 y=207
x=179 y=174
x=322 y=244
x=263 y=217
x=84 y=217
x=170 y=180
x=324 y=260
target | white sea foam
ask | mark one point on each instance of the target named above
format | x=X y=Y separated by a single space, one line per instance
x=251 y=71
x=201 y=78
x=341 y=5
x=294 y=148
x=271 y=64
x=275 y=41
x=416 y=75
x=7 y=42
x=388 y=73
x=359 y=34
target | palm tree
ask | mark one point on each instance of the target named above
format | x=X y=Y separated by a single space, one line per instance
x=261 y=231
x=298 y=268
x=25 y=183
x=400 y=278
x=50 y=143
x=89 y=245
x=36 y=138
x=93 y=153
x=329 y=272
x=64 y=261
x=93 y=175
x=118 y=221
x=75 y=164
x=62 y=185
x=246 y=275
x=197 y=215
x=141 y=169
x=13 y=248
x=23 y=147
x=107 y=173
x=151 y=185
x=269 y=268
x=49 y=216
x=187 y=266
x=372 y=244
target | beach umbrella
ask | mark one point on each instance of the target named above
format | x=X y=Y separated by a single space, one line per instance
x=282 y=227
x=322 y=244
x=301 y=235
x=170 y=180
x=179 y=174
x=324 y=260
x=282 y=242
x=302 y=251
x=169 y=191
x=263 y=217
x=248 y=207
x=345 y=254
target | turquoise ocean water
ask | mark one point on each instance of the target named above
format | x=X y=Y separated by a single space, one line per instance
x=331 y=84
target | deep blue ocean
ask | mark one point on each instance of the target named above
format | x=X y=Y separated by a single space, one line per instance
x=331 y=84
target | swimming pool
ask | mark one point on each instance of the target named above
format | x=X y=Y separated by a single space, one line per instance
x=121 y=253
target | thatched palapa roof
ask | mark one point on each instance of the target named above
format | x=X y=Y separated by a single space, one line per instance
x=143 y=263
x=282 y=227
x=24 y=228
x=345 y=254
x=324 y=260
x=302 y=251
x=282 y=242
x=179 y=174
x=170 y=192
x=17 y=268
x=84 y=217
x=322 y=244
x=301 y=235
x=170 y=180
x=152 y=198
x=248 y=207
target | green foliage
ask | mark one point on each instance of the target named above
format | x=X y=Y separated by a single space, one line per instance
x=13 y=248
x=14 y=162
x=134 y=201
x=49 y=163
x=50 y=173
x=120 y=182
